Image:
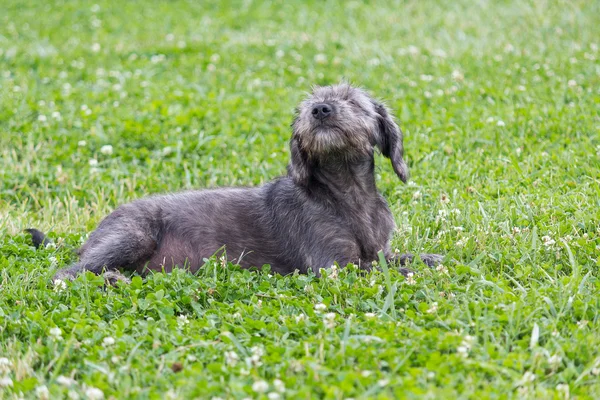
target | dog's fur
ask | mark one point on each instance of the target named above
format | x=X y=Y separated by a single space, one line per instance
x=327 y=209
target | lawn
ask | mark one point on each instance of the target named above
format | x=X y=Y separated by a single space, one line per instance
x=104 y=102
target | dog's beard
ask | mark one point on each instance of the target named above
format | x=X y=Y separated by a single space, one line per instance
x=327 y=139
x=330 y=140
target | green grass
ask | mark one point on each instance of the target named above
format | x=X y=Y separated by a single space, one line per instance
x=500 y=105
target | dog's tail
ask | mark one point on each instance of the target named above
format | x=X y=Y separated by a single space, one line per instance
x=38 y=238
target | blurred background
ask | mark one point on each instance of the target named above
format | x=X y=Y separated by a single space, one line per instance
x=103 y=102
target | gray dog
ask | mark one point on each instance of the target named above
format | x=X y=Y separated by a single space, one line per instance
x=327 y=209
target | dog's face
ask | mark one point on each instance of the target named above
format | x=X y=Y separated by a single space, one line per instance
x=344 y=122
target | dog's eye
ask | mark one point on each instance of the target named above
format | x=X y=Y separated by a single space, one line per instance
x=354 y=103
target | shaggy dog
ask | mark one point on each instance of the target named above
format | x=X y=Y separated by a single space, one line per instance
x=326 y=210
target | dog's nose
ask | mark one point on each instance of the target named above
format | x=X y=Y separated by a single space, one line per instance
x=322 y=111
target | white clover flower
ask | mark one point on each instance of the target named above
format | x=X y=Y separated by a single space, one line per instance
x=231 y=358
x=500 y=123
x=582 y=324
x=320 y=307
x=260 y=386
x=330 y=320
x=564 y=388
x=548 y=241
x=469 y=341
x=439 y=53
x=93 y=162
x=257 y=351
x=462 y=351
x=42 y=392
x=320 y=58
x=383 y=382
x=279 y=385
x=273 y=396
x=183 y=319
x=572 y=83
x=107 y=149
x=55 y=332
x=82 y=143
x=333 y=272
x=93 y=393
x=370 y=315
x=191 y=358
x=5 y=365
x=490 y=120
x=108 y=341
x=554 y=360
x=528 y=377
x=56 y=115
x=96 y=47
x=65 y=381
x=409 y=279
x=519 y=150
x=462 y=242
x=42 y=118
x=59 y=285
x=442 y=269
x=457 y=76
x=417 y=195
x=413 y=50
x=5 y=381
x=300 y=317
x=433 y=308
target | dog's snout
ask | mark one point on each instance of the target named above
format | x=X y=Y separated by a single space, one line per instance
x=322 y=111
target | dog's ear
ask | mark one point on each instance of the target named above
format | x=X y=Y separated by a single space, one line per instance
x=298 y=168
x=389 y=140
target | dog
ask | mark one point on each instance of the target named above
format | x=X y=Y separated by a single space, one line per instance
x=326 y=209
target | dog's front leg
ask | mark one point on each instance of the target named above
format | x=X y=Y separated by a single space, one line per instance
x=431 y=260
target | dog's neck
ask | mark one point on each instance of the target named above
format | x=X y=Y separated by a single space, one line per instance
x=347 y=180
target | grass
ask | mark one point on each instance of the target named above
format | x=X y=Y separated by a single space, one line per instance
x=499 y=102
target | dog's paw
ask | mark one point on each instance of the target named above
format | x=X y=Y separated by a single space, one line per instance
x=431 y=260
x=63 y=275
x=112 y=277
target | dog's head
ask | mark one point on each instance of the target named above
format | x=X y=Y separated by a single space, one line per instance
x=344 y=122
